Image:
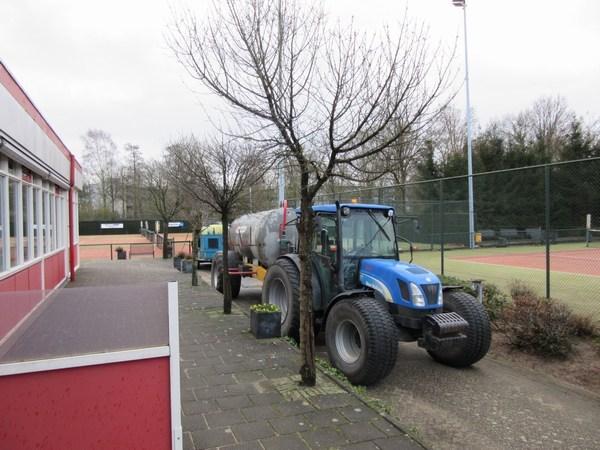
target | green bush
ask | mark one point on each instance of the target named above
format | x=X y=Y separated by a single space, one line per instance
x=265 y=308
x=537 y=325
x=494 y=300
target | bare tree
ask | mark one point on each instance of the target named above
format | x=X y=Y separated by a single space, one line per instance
x=167 y=197
x=321 y=96
x=218 y=174
x=100 y=158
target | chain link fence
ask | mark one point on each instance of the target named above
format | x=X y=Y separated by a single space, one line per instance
x=539 y=225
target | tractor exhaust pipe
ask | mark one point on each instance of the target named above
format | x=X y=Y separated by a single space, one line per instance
x=338 y=248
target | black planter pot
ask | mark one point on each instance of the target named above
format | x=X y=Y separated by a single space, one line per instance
x=186 y=265
x=265 y=324
x=177 y=263
x=122 y=254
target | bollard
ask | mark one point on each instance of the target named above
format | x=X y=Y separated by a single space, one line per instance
x=478 y=288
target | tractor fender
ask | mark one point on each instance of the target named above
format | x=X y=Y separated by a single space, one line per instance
x=316 y=282
x=344 y=295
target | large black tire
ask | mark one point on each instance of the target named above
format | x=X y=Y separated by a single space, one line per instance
x=216 y=278
x=362 y=339
x=479 y=331
x=282 y=288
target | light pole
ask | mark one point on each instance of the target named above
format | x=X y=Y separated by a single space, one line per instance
x=463 y=5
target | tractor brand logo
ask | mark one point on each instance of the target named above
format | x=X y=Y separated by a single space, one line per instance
x=428 y=279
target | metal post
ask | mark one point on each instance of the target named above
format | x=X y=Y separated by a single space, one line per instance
x=463 y=4
x=469 y=145
x=547 y=232
x=442 y=226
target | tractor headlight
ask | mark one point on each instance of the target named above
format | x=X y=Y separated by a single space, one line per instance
x=416 y=295
x=345 y=211
x=440 y=296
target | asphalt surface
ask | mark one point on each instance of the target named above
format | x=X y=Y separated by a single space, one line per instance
x=492 y=405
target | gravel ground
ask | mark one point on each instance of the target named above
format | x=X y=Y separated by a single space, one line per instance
x=493 y=405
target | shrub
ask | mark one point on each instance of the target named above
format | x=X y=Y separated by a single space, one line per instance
x=584 y=326
x=180 y=255
x=265 y=308
x=494 y=300
x=537 y=325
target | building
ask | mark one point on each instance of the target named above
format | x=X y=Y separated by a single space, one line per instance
x=39 y=182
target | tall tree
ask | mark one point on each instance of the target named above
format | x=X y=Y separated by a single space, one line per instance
x=217 y=175
x=321 y=96
x=101 y=163
x=167 y=197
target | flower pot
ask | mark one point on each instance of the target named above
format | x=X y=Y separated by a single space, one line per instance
x=121 y=254
x=186 y=265
x=177 y=263
x=265 y=324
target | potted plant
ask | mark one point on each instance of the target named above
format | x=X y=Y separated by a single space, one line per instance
x=121 y=253
x=186 y=264
x=265 y=321
x=177 y=260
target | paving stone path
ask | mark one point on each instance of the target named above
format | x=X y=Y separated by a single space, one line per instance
x=238 y=392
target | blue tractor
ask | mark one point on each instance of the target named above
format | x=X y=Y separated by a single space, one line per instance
x=210 y=242
x=366 y=299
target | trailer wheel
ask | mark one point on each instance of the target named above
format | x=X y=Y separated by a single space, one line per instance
x=362 y=340
x=216 y=278
x=479 y=333
x=282 y=288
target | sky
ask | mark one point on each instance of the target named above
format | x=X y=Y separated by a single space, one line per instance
x=105 y=64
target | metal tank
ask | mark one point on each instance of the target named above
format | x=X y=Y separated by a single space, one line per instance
x=257 y=235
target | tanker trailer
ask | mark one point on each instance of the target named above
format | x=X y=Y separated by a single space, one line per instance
x=256 y=240
x=364 y=297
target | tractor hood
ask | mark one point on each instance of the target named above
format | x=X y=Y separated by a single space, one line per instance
x=400 y=282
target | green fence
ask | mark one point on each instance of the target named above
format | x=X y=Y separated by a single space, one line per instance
x=531 y=225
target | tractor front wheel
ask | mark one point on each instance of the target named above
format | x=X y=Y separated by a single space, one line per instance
x=362 y=340
x=479 y=332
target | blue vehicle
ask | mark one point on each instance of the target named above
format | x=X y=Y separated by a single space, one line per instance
x=210 y=242
x=366 y=299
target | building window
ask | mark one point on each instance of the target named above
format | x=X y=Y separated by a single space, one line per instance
x=2 y=225
x=37 y=220
x=13 y=228
x=45 y=221
x=27 y=212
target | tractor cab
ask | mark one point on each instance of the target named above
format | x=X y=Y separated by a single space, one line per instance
x=366 y=231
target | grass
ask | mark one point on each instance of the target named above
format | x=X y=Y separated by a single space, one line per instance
x=580 y=292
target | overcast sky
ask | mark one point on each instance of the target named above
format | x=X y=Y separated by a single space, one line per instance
x=104 y=64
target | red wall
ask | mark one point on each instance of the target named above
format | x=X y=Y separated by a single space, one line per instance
x=54 y=270
x=111 y=406
x=19 y=294
x=22 y=291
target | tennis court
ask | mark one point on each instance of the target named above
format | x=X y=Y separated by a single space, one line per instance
x=574 y=276
x=104 y=246
x=584 y=261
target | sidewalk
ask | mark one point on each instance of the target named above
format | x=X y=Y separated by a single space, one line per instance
x=242 y=393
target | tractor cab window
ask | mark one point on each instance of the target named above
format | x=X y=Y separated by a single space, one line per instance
x=368 y=233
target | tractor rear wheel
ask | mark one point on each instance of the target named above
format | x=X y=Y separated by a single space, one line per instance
x=282 y=288
x=362 y=339
x=479 y=332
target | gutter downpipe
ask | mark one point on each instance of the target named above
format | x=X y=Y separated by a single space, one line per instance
x=71 y=219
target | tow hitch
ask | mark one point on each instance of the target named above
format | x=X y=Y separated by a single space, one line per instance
x=441 y=331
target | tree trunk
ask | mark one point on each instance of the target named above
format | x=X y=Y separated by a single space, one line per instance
x=195 y=234
x=165 y=246
x=226 y=284
x=307 y=336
